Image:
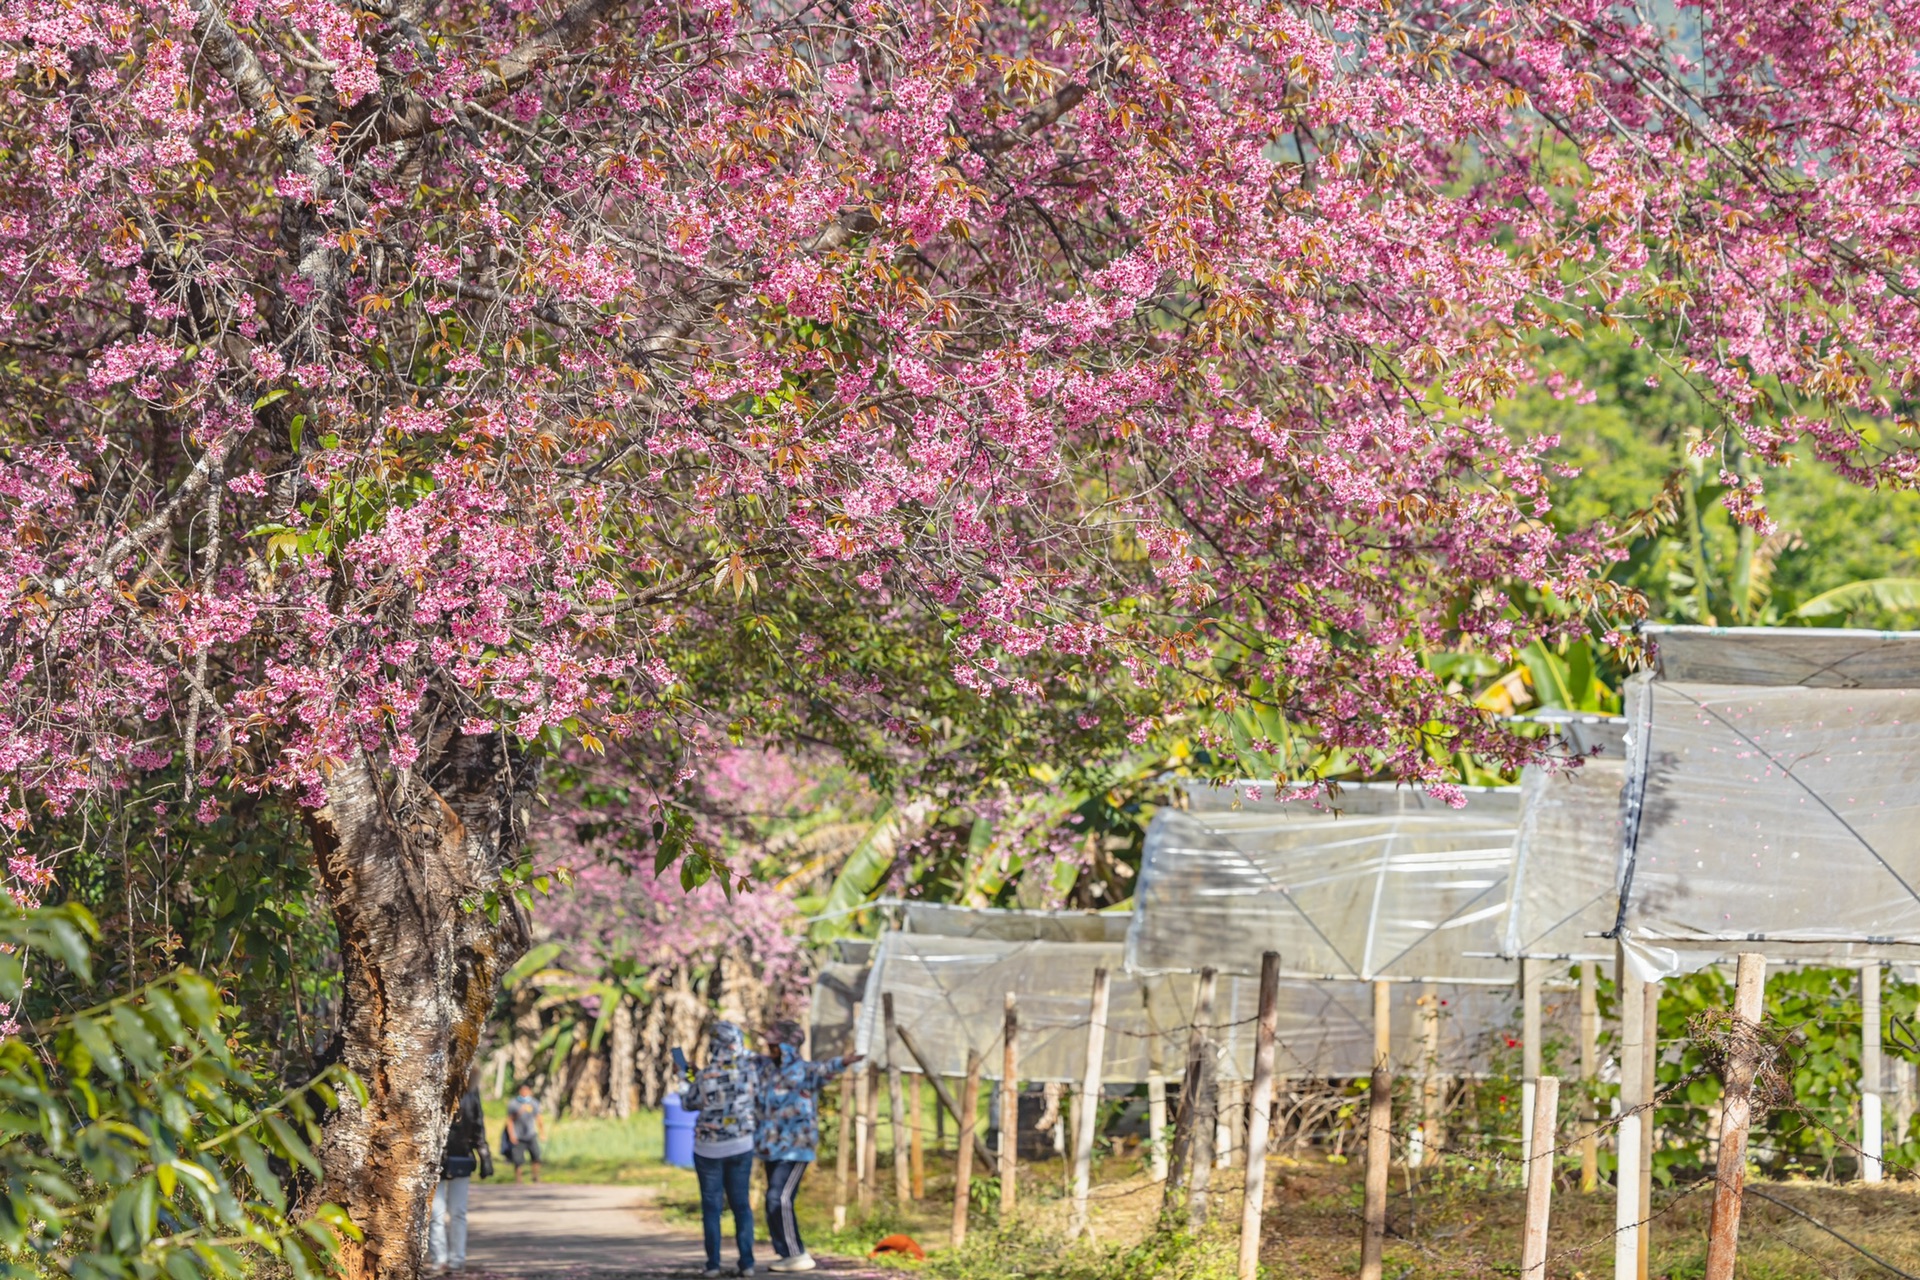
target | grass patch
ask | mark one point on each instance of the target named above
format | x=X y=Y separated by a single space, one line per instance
x=602 y=1151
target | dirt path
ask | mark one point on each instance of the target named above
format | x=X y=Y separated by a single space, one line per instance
x=592 y=1232
x=551 y=1229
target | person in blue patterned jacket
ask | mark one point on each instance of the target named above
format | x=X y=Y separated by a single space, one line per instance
x=788 y=1134
x=725 y=1093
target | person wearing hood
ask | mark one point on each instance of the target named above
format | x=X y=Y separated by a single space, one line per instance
x=788 y=1134
x=723 y=1094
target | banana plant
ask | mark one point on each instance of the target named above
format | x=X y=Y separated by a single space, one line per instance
x=1889 y=595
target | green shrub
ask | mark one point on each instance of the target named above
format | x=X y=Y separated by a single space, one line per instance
x=133 y=1144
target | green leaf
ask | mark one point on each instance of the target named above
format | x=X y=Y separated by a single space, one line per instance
x=535 y=960
x=279 y=393
x=1893 y=595
x=292 y=1146
x=264 y=1181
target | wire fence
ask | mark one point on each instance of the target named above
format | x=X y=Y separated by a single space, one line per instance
x=1330 y=1110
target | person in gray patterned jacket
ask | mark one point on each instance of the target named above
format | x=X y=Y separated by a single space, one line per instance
x=724 y=1093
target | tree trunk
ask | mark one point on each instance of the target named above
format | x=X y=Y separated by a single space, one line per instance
x=407 y=857
x=620 y=1058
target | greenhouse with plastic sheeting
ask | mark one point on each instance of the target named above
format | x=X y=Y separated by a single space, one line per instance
x=1376 y=882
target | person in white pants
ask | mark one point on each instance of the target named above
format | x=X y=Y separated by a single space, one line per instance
x=466 y=1151
x=447 y=1237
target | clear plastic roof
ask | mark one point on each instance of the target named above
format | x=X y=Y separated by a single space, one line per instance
x=1016 y=926
x=1380 y=882
x=1564 y=885
x=949 y=993
x=836 y=988
x=1773 y=798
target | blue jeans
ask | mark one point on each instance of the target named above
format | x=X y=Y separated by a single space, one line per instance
x=783 y=1182
x=729 y=1178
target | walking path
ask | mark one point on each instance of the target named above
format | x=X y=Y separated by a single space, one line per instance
x=552 y=1229
x=528 y=1231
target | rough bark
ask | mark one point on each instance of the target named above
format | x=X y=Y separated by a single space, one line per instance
x=620 y=1061
x=407 y=857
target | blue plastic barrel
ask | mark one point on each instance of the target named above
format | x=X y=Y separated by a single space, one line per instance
x=679 y=1122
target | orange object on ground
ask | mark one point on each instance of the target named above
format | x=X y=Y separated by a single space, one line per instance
x=899 y=1244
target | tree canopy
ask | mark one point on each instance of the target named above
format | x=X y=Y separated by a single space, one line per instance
x=396 y=395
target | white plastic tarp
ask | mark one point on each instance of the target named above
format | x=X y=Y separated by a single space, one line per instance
x=1773 y=798
x=1564 y=886
x=1016 y=926
x=949 y=994
x=1380 y=881
x=836 y=989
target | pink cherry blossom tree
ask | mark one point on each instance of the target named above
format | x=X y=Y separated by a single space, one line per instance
x=394 y=392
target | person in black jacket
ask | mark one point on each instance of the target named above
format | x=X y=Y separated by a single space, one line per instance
x=466 y=1152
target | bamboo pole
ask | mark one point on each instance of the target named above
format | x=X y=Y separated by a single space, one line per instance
x=1180 y=1154
x=1649 y=1135
x=1871 y=1134
x=843 y=1160
x=1009 y=1107
x=1533 y=1243
x=1749 y=996
x=870 y=1148
x=1431 y=1092
x=1157 y=1128
x=1532 y=978
x=1087 y=1105
x=1379 y=1137
x=1589 y=1072
x=1626 y=1204
x=967 y=1118
x=916 y=1115
x=1234 y=1134
x=1206 y=1112
x=1260 y=1116
x=1904 y=1097
x=947 y=1105
x=896 y=1109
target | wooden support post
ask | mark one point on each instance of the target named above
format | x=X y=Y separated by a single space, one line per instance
x=1373 y=1241
x=1589 y=1073
x=1431 y=1088
x=1205 y=1132
x=1181 y=1154
x=1540 y=1132
x=947 y=1104
x=896 y=1109
x=1260 y=1116
x=1532 y=977
x=916 y=1116
x=870 y=1176
x=1749 y=1003
x=1206 y=1129
x=1157 y=1128
x=1627 y=1209
x=1871 y=1134
x=862 y=1182
x=1086 y=1111
x=1009 y=1107
x=1906 y=1095
x=1228 y=1093
x=843 y=1161
x=1649 y=1134
x=968 y=1119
